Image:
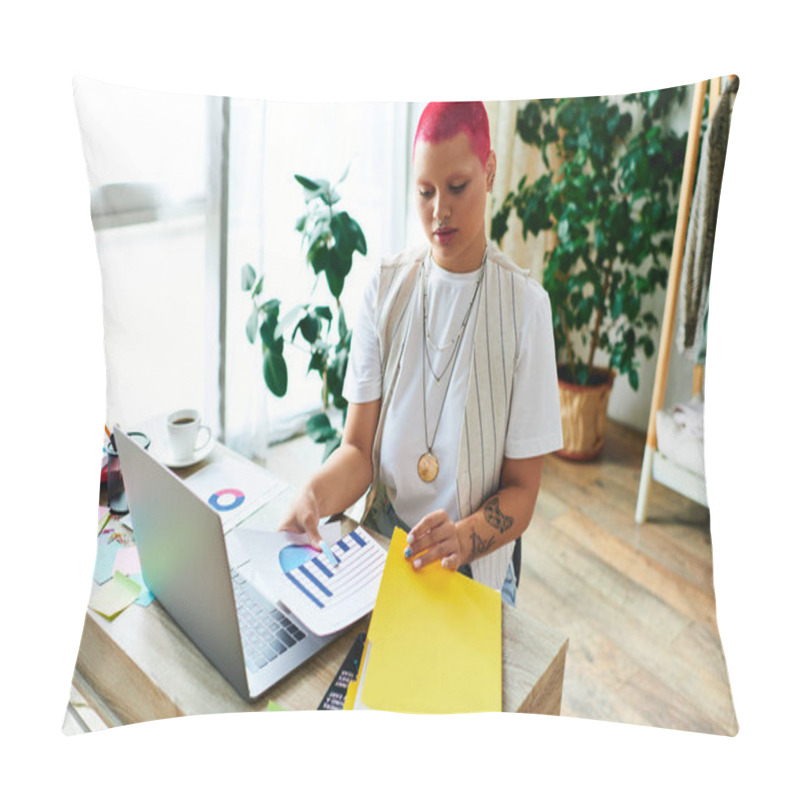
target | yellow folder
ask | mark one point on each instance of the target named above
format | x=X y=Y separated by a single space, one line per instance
x=436 y=640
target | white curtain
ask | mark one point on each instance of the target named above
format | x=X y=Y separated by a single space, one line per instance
x=514 y=159
x=269 y=144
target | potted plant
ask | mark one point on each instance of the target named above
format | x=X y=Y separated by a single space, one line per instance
x=608 y=193
x=330 y=238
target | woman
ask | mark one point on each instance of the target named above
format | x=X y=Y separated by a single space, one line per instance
x=451 y=381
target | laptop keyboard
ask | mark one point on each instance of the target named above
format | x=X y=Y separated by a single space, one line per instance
x=266 y=631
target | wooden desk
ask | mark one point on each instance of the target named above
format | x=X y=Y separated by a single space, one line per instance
x=143 y=667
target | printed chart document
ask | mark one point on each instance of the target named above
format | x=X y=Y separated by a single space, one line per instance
x=328 y=597
x=234 y=488
x=434 y=644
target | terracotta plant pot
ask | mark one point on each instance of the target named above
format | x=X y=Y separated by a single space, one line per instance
x=583 y=414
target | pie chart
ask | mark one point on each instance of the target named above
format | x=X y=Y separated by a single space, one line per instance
x=295 y=555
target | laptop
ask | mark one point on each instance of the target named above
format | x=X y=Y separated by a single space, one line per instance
x=246 y=634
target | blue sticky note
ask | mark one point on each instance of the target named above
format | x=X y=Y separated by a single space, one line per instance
x=145 y=596
x=332 y=560
x=104 y=561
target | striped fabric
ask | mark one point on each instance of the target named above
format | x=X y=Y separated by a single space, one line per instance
x=490 y=386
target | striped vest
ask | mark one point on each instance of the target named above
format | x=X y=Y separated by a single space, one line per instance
x=489 y=389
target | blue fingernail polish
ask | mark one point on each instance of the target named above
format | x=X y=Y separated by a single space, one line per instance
x=407 y=552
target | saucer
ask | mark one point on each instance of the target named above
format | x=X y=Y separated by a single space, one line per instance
x=160 y=448
x=169 y=459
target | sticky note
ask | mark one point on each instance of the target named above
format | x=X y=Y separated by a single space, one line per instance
x=145 y=596
x=114 y=596
x=103 y=515
x=127 y=562
x=105 y=558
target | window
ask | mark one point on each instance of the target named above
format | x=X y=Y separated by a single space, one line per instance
x=185 y=190
x=147 y=164
x=269 y=144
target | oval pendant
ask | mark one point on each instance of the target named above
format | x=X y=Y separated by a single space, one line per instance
x=428 y=467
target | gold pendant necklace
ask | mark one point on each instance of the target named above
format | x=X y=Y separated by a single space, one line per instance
x=428 y=464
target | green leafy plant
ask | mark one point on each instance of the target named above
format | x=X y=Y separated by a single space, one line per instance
x=329 y=238
x=609 y=191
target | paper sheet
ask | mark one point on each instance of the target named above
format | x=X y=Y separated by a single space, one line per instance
x=328 y=598
x=234 y=488
x=435 y=641
x=114 y=596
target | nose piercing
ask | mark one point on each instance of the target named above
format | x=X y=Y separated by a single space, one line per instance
x=440 y=223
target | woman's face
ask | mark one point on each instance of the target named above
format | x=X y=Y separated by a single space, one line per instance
x=451 y=185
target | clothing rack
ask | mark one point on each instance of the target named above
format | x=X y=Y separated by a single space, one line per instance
x=656 y=465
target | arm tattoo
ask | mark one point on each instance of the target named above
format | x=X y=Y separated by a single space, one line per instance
x=480 y=546
x=495 y=517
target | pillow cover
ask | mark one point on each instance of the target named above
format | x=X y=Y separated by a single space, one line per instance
x=195 y=204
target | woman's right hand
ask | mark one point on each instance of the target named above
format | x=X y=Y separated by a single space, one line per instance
x=303 y=517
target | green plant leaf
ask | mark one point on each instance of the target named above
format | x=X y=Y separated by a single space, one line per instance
x=344 y=175
x=267 y=331
x=343 y=329
x=317 y=362
x=319 y=428
x=271 y=307
x=252 y=326
x=549 y=132
x=313 y=189
x=529 y=120
x=290 y=319
x=307 y=183
x=342 y=232
x=335 y=282
x=331 y=445
x=248 y=277
x=275 y=372
x=360 y=242
x=499 y=225
x=320 y=258
x=310 y=327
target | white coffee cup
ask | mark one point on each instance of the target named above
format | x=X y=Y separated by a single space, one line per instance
x=183 y=427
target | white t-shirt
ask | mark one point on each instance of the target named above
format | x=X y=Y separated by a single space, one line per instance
x=534 y=425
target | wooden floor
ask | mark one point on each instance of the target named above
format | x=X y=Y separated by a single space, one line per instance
x=636 y=601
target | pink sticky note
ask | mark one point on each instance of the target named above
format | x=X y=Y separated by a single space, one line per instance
x=127 y=561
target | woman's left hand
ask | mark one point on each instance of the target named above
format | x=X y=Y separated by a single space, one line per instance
x=435 y=538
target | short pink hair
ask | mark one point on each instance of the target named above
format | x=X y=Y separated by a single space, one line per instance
x=442 y=121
